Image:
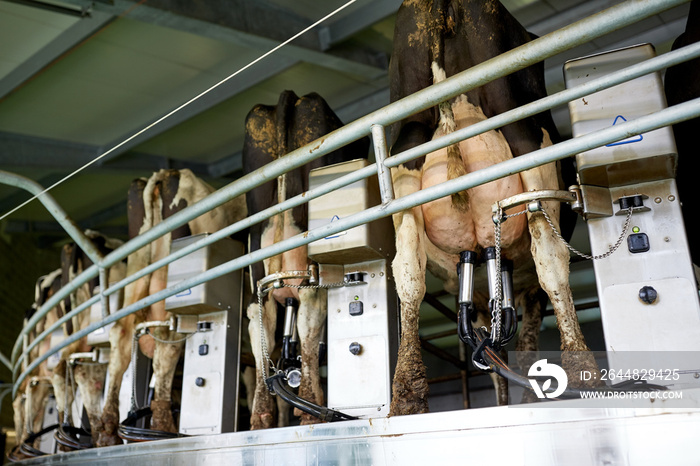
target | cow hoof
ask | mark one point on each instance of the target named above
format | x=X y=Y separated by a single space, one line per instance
x=262 y=421
x=108 y=440
x=162 y=417
x=410 y=387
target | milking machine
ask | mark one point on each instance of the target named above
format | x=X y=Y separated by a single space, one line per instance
x=362 y=326
x=210 y=316
x=627 y=194
x=647 y=291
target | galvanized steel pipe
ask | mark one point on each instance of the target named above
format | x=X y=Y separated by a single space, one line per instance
x=580 y=32
x=666 y=117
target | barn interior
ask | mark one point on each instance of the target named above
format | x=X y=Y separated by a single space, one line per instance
x=96 y=93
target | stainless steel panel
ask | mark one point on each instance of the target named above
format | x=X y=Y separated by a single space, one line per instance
x=370 y=241
x=360 y=384
x=210 y=296
x=100 y=337
x=647 y=157
x=211 y=406
x=638 y=433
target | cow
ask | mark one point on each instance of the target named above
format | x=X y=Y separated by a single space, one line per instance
x=87 y=376
x=682 y=83
x=434 y=40
x=270 y=133
x=32 y=396
x=150 y=201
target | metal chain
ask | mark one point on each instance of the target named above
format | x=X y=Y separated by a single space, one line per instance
x=495 y=313
x=612 y=249
x=170 y=342
x=134 y=349
x=263 y=338
x=66 y=405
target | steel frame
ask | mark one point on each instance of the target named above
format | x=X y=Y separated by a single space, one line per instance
x=374 y=123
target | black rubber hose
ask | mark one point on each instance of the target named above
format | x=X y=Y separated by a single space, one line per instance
x=277 y=385
x=128 y=431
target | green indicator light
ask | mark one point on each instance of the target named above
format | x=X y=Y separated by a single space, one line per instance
x=357 y=298
x=635 y=229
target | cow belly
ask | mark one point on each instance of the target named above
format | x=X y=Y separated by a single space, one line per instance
x=480 y=152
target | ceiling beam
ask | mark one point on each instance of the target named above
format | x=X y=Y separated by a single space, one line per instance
x=225 y=91
x=65 y=42
x=358 y=20
x=252 y=25
x=18 y=151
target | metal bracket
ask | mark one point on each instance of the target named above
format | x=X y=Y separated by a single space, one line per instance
x=275 y=280
x=533 y=199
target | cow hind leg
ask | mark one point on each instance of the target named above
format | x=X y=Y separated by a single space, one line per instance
x=410 y=387
x=90 y=380
x=552 y=264
x=120 y=339
x=262 y=410
x=532 y=304
x=165 y=360
x=311 y=317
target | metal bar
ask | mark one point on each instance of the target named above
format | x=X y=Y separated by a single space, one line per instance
x=535 y=51
x=55 y=210
x=295 y=201
x=6 y=362
x=560 y=98
x=104 y=299
x=666 y=117
x=442 y=354
x=544 y=47
x=441 y=308
x=225 y=232
x=380 y=154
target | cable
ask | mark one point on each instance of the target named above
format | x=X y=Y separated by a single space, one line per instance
x=177 y=109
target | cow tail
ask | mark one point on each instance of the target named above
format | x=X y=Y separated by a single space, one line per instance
x=447 y=124
x=455 y=164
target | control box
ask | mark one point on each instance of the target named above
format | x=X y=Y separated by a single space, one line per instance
x=647 y=289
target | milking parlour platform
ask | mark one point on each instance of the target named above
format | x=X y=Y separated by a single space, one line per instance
x=625 y=433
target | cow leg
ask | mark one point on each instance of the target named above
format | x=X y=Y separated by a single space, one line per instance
x=120 y=339
x=262 y=410
x=410 y=387
x=37 y=397
x=18 y=415
x=165 y=358
x=91 y=381
x=532 y=303
x=63 y=396
x=311 y=318
x=552 y=264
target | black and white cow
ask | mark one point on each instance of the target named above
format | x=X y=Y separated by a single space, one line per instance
x=434 y=40
x=272 y=132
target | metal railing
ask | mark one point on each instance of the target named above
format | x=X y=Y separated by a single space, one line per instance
x=374 y=124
